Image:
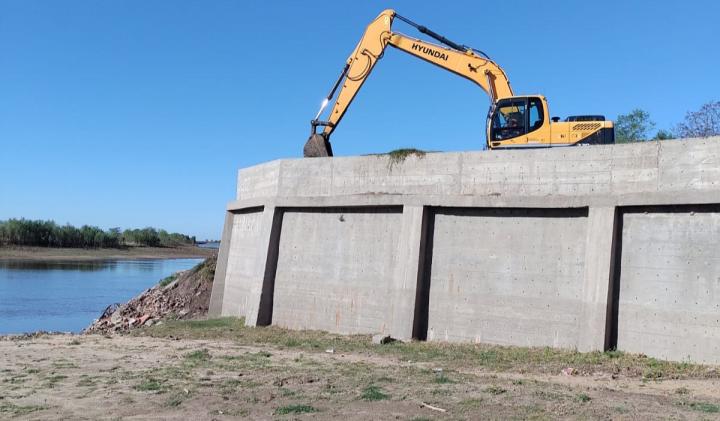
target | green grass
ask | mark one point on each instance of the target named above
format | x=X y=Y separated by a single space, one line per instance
x=442 y=378
x=20 y=378
x=398 y=156
x=449 y=355
x=705 y=407
x=295 y=409
x=206 y=269
x=582 y=397
x=175 y=400
x=18 y=410
x=373 y=393
x=64 y=364
x=199 y=355
x=54 y=380
x=149 y=385
x=167 y=280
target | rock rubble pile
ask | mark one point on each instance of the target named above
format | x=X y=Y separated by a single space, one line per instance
x=185 y=295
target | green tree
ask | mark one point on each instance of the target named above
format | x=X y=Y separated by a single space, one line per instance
x=702 y=123
x=24 y=232
x=664 y=135
x=633 y=127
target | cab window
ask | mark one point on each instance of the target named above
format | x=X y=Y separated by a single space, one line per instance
x=509 y=119
x=535 y=114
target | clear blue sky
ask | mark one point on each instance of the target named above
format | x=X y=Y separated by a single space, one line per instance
x=137 y=113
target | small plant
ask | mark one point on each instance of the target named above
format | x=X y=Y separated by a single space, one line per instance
x=292 y=343
x=495 y=390
x=175 y=400
x=682 y=391
x=74 y=342
x=373 y=393
x=443 y=379
x=652 y=374
x=398 y=156
x=621 y=410
x=199 y=355
x=64 y=364
x=582 y=397
x=613 y=354
x=295 y=409
x=149 y=385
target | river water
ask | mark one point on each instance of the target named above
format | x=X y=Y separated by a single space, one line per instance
x=68 y=296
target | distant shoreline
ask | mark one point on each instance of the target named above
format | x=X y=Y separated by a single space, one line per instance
x=16 y=253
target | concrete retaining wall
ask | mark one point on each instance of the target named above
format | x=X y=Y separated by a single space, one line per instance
x=588 y=248
x=669 y=301
x=328 y=278
x=507 y=276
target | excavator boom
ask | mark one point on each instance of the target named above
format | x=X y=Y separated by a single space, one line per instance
x=459 y=59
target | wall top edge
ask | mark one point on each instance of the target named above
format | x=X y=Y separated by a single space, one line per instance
x=645 y=167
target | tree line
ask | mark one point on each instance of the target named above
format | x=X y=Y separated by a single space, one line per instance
x=636 y=126
x=25 y=232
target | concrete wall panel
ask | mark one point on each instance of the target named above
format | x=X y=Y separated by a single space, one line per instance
x=240 y=270
x=335 y=270
x=511 y=277
x=669 y=299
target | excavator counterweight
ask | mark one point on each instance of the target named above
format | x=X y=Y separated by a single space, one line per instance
x=512 y=122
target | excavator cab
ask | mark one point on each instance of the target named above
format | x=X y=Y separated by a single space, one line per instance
x=524 y=122
x=517 y=121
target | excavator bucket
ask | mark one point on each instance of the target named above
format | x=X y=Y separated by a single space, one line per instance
x=317 y=146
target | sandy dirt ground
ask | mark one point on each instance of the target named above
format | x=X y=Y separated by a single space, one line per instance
x=91 y=377
x=45 y=254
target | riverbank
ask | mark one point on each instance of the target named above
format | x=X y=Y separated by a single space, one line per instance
x=221 y=369
x=11 y=253
x=183 y=295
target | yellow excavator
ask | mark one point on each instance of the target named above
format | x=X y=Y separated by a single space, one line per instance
x=512 y=122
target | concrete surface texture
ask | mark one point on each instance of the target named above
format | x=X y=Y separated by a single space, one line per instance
x=510 y=277
x=328 y=278
x=589 y=248
x=670 y=284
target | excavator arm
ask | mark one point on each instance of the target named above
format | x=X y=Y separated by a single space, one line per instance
x=459 y=59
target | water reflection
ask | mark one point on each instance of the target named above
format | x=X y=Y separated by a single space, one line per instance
x=58 y=265
x=141 y=265
x=68 y=295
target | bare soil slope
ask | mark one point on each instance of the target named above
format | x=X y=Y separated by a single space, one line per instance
x=79 y=254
